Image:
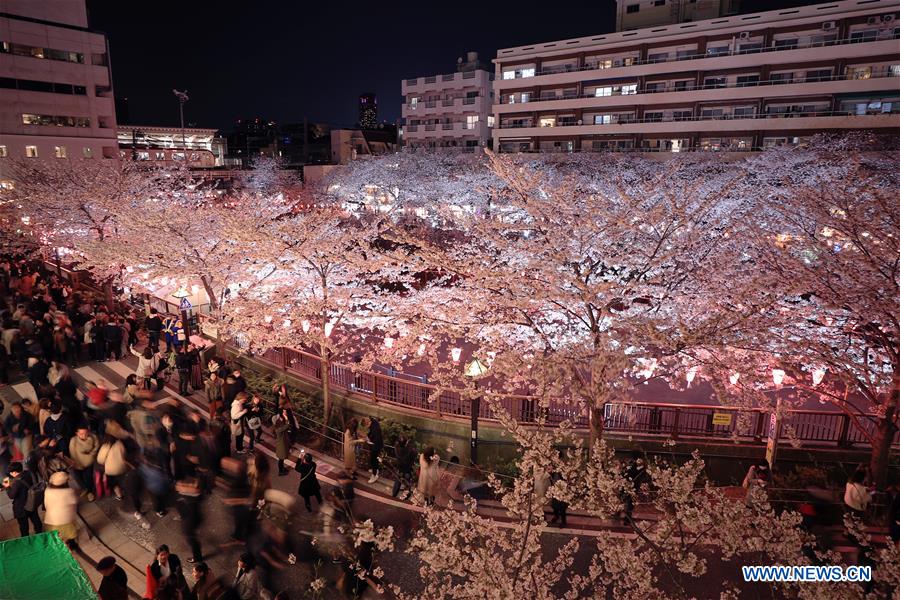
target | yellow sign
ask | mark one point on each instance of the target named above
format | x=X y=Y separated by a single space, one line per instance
x=721 y=418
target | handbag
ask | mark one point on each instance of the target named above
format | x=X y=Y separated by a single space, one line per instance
x=254 y=423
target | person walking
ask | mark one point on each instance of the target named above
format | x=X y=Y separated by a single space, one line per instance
x=61 y=508
x=376 y=445
x=281 y=428
x=559 y=507
x=20 y=425
x=148 y=365
x=253 y=420
x=154 y=326
x=112 y=457
x=429 y=474
x=309 y=484
x=112 y=334
x=83 y=449
x=18 y=483
x=190 y=508
x=856 y=495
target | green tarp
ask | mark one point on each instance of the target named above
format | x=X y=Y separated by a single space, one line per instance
x=40 y=567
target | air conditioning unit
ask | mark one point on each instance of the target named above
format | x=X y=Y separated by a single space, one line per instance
x=887 y=19
x=744 y=35
x=829 y=25
x=874 y=20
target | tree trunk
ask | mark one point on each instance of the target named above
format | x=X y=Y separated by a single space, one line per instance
x=108 y=293
x=213 y=301
x=596 y=424
x=325 y=367
x=883 y=436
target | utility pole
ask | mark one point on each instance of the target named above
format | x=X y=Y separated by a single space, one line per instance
x=182 y=98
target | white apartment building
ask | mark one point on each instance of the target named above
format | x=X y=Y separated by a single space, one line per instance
x=452 y=110
x=56 y=97
x=732 y=83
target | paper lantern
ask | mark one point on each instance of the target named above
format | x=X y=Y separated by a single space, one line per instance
x=388 y=342
x=818 y=375
x=456 y=353
x=328 y=327
x=733 y=378
x=777 y=376
x=305 y=325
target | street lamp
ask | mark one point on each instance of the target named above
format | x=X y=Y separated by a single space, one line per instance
x=182 y=98
x=774 y=424
x=474 y=370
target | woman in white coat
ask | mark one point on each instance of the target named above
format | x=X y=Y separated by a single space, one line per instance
x=148 y=364
x=61 y=504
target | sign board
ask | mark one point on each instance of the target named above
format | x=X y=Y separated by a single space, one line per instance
x=721 y=419
x=185 y=304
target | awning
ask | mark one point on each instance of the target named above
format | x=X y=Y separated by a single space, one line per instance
x=40 y=567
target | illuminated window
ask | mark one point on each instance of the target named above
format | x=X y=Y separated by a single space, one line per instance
x=547 y=122
x=529 y=72
x=59 y=151
x=31 y=151
x=413 y=103
x=178 y=156
x=87 y=152
x=471 y=121
x=3 y=152
x=143 y=155
x=602 y=119
x=509 y=74
x=160 y=156
x=490 y=121
x=627 y=90
x=603 y=91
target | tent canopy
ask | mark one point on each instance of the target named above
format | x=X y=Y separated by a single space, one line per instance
x=40 y=567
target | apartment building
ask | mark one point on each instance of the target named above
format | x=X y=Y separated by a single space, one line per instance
x=56 y=96
x=451 y=110
x=635 y=14
x=734 y=83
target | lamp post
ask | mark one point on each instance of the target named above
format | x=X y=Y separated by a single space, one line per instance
x=774 y=420
x=184 y=305
x=182 y=98
x=475 y=369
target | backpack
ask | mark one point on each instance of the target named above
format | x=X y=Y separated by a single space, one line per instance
x=35 y=495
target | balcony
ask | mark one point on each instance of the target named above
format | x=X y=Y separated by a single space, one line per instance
x=811 y=51
x=727 y=122
x=645 y=95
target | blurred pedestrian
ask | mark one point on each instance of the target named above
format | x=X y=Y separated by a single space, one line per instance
x=429 y=474
x=406 y=459
x=246 y=581
x=281 y=429
x=309 y=483
x=83 y=449
x=18 y=483
x=61 y=508
x=114 y=585
x=376 y=444
x=190 y=508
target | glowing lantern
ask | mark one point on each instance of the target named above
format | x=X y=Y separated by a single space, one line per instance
x=388 y=342
x=733 y=378
x=286 y=324
x=456 y=353
x=268 y=319
x=305 y=325
x=328 y=327
x=818 y=375
x=777 y=376
x=691 y=374
x=421 y=350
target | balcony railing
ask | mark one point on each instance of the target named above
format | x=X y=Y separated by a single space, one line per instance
x=738 y=52
x=724 y=117
x=448 y=77
x=691 y=86
x=446 y=126
x=430 y=127
x=447 y=102
x=469 y=100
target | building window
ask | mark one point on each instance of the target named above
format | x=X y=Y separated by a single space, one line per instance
x=178 y=156
x=3 y=152
x=632 y=8
x=413 y=103
x=471 y=121
x=509 y=74
x=859 y=72
x=603 y=91
x=659 y=2
x=142 y=155
x=653 y=117
x=490 y=121
x=529 y=72
x=160 y=155
x=59 y=151
x=818 y=75
x=36 y=52
x=715 y=82
x=87 y=152
x=627 y=90
x=29 y=119
x=602 y=119
x=547 y=122
x=31 y=151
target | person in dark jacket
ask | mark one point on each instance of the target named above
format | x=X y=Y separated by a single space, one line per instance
x=17 y=484
x=114 y=585
x=190 y=508
x=154 y=327
x=406 y=460
x=164 y=573
x=112 y=335
x=309 y=483
x=376 y=445
x=184 y=361
x=21 y=426
x=38 y=375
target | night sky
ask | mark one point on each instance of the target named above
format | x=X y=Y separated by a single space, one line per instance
x=289 y=59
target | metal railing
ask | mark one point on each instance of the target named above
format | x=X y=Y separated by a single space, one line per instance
x=737 y=52
x=663 y=420
x=724 y=117
x=691 y=86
